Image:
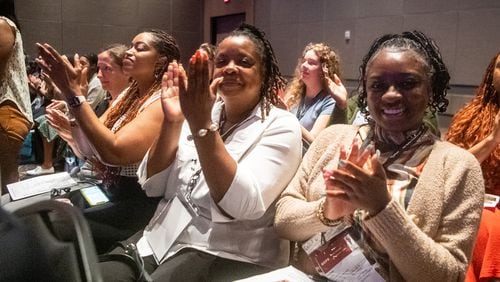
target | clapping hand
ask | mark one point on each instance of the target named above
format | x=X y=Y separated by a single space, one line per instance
x=173 y=79
x=359 y=180
x=60 y=122
x=337 y=90
x=70 y=79
x=198 y=99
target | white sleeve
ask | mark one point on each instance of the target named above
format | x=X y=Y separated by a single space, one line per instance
x=264 y=172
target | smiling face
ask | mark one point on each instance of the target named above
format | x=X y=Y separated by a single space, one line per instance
x=240 y=67
x=310 y=69
x=140 y=59
x=110 y=73
x=398 y=89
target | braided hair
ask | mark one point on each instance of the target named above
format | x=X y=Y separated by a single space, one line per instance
x=327 y=57
x=475 y=121
x=425 y=47
x=273 y=81
x=130 y=104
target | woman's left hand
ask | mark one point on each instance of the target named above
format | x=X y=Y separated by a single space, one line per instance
x=60 y=122
x=337 y=91
x=67 y=78
x=364 y=185
x=198 y=99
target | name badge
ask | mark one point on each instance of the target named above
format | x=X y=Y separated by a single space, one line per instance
x=338 y=257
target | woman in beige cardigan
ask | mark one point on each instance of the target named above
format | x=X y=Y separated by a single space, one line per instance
x=416 y=199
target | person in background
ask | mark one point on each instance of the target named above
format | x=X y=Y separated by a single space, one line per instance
x=113 y=80
x=95 y=92
x=95 y=95
x=315 y=90
x=118 y=140
x=413 y=200
x=15 y=106
x=476 y=127
x=224 y=162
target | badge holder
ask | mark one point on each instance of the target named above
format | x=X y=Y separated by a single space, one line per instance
x=336 y=256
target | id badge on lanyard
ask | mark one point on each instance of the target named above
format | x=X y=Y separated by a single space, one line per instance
x=172 y=220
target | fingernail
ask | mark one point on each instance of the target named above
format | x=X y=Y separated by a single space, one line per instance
x=377 y=153
x=370 y=148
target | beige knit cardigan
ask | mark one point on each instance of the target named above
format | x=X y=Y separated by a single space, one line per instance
x=431 y=241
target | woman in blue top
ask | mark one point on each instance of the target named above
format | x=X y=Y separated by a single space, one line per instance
x=315 y=90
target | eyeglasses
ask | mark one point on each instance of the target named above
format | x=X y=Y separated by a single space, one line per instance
x=56 y=192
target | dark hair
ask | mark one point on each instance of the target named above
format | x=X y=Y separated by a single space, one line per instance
x=273 y=81
x=8 y=10
x=422 y=45
x=167 y=47
x=92 y=58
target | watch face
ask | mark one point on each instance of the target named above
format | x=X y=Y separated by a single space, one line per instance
x=76 y=101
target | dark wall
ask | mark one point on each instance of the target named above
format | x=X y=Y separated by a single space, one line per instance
x=87 y=26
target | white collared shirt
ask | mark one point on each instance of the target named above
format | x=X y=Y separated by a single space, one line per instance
x=268 y=154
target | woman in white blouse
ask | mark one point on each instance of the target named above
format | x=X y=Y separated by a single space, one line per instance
x=220 y=166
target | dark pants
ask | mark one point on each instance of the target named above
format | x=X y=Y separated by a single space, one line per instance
x=128 y=211
x=187 y=265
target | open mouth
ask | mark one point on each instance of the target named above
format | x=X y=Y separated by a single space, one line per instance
x=393 y=111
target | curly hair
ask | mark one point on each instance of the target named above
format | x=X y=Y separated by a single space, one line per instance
x=273 y=81
x=129 y=105
x=327 y=57
x=427 y=49
x=473 y=122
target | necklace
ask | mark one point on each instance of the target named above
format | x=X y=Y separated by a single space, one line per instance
x=222 y=121
x=303 y=107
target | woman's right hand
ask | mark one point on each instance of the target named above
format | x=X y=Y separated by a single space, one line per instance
x=173 y=78
x=336 y=206
x=198 y=99
x=67 y=78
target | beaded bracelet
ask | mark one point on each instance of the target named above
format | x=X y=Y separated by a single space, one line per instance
x=321 y=216
x=203 y=132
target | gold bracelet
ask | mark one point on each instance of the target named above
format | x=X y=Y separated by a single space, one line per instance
x=323 y=219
